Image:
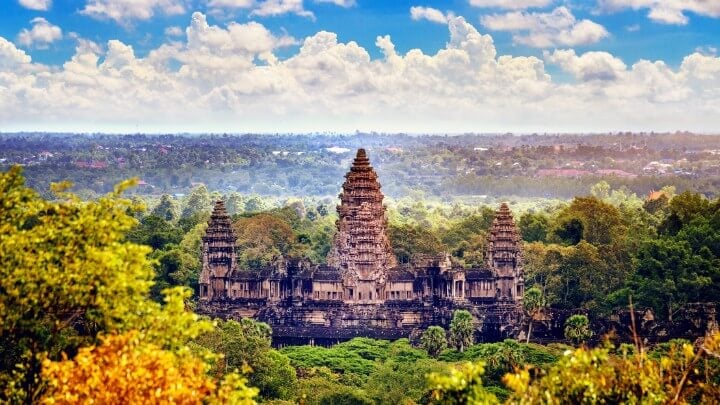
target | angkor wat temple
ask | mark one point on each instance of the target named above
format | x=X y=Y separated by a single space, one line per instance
x=362 y=290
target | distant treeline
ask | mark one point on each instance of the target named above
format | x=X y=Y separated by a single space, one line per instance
x=502 y=166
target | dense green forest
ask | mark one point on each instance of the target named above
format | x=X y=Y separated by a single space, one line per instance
x=588 y=254
x=97 y=298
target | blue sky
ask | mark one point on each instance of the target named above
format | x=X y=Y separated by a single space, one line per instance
x=586 y=49
x=368 y=19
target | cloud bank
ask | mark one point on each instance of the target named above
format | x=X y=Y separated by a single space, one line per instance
x=665 y=11
x=542 y=30
x=230 y=79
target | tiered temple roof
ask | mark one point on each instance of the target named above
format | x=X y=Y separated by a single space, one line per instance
x=219 y=240
x=503 y=246
x=361 y=243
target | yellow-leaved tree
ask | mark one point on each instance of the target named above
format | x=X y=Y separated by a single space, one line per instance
x=68 y=277
x=124 y=369
x=685 y=374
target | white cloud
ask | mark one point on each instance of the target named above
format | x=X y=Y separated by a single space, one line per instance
x=41 y=35
x=706 y=50
x=278 y=7
x=265 y=8
x=211 y=53
x=543 y=30
x=589 y=66
x=668 y=15
x=125 y=11
x=341 y=3
x=703 y=67
x=173 y=31
x=10 y=56
x=428 y=13
x=511 y=4
x=40 y=5
x=229 y=79
x=231 y=3
x=85 y=45
x=665 y=11
x=632 y=28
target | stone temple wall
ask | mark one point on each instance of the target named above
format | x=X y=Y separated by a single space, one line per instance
x=362 y=291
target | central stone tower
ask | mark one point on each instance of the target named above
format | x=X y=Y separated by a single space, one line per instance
x=218 y=254
x=504 y=256
x=361 y=248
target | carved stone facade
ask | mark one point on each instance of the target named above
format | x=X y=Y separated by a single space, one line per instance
x=219 y=258
x=361 y=249
x=362 y=291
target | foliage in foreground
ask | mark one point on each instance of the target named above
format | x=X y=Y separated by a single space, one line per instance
x=509 y=372
x=586 y=376
x=462 y=385
x=682 y=375
x=246 y=344
x=77 y=306
x=69 y=277
x=125 y=369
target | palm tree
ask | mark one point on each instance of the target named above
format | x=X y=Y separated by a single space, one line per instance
x=462 y=330
x=577 y=329
x=433 y=340
x=533 y=303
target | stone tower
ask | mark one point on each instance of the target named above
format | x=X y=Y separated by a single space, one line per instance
x=361 y=248
x=503 y=254
x=218 y=254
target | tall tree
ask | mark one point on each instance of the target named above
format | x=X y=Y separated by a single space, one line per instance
x=577 y=329
x=533 y=227
x=683 y=208
x=263 y=237
x=156 y=232
x=533 y=303
x=166 y=209
x=68 y=274
x=197 y=202
x=409 y=240
x=433 y=340
x=235 y=203
x=462 y=330
x=592 y=220
x=247 y=343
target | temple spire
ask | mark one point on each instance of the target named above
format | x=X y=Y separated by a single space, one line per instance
x=218 y=252
x=361 y=244
x=504 y=238
x=503 y=254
